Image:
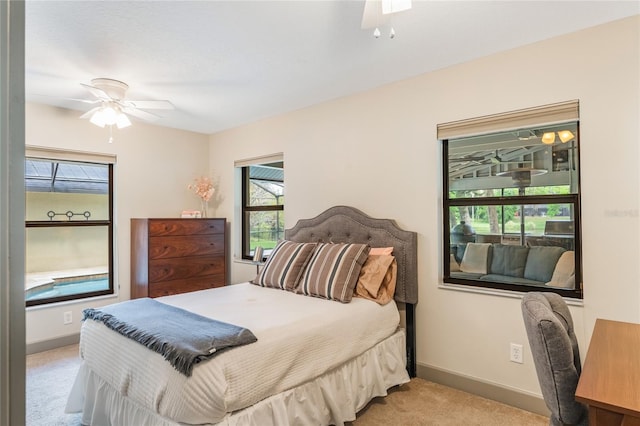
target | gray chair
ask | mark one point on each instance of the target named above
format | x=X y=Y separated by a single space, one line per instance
x=555 y=356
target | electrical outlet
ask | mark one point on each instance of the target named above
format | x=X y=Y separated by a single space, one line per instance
x=515 y=354
x=68 y=317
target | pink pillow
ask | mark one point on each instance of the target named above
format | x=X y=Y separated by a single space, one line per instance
x=381 y=251
x=377 y=280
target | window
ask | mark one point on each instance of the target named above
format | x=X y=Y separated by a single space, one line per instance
x=262 y=206
x=69 y=228
x=512 y=202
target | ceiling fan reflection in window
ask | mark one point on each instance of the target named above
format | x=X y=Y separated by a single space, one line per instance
x=113 y=108
x=488 y=159
x=497 y=159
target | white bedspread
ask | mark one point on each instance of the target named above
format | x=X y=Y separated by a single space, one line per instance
x=299 y=339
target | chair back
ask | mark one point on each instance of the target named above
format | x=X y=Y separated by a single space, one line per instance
x=555 y=355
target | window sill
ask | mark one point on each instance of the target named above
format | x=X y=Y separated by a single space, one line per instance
x=245 y=261
x=84 y=300
x=500 y=293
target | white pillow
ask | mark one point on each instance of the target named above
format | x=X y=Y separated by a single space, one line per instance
x=475 y=258
x=564 y=271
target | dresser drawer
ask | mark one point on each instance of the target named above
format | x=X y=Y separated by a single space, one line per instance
x=185 y=227
x=171 y=256
x=166 y=288
x=181 y=268
x=196 y=245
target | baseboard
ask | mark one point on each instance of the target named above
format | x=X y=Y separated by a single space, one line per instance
x=47 y=345
x=491 y=391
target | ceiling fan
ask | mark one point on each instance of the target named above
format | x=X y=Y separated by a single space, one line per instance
x=113 y=107
x=474 y=159
x=497 y=159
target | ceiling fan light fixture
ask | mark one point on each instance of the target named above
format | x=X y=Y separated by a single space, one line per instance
x=98 y=118
x=110 y=115
x=110 y=94
x=122 y=120
x=565 y=136
x=548 y=138
x=393 y=6
x=377 y=14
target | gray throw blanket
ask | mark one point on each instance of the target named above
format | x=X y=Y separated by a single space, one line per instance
x=181 y=337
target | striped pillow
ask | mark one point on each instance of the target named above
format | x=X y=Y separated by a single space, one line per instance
x=333 y=270
x=284 y=266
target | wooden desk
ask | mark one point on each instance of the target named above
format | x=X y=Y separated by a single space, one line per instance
x=610 y=379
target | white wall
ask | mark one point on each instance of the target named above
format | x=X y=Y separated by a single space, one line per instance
x=378 y=151
x=154 y=166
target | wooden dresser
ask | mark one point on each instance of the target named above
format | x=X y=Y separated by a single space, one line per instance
x=170 y=256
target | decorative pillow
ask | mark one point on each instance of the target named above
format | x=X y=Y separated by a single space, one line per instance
x=284 y=267
x=564 y=270
x=333 y=271
x=475 y=258
x=381 y=251
x=377 y=279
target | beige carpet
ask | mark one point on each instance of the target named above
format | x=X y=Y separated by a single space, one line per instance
x=50 y=375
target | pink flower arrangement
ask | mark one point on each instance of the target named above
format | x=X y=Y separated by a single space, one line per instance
x=203 y=187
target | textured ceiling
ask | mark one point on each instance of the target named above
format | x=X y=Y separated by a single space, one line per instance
x=227 y=63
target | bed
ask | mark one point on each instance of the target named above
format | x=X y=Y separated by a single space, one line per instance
x=315 y=361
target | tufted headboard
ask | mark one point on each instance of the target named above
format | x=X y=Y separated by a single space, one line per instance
x=343 y=224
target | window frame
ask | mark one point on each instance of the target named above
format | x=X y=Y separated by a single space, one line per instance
x=573 y=199
x=108 y=223
x=247 y=209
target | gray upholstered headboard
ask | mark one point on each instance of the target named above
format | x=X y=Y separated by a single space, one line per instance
x=343 y=224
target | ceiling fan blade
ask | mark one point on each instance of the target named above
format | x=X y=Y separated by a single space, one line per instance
x=90 y=112
x=466 y=159
x=86 y=101
x=143 y=115
x=98 y=93
x=158 y=104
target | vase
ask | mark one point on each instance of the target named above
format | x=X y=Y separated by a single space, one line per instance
x=204 y=207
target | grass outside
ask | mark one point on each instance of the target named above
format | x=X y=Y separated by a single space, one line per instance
x=534 y=225
x=265 y=244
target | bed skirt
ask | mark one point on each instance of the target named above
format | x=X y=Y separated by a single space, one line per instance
x=331 y=399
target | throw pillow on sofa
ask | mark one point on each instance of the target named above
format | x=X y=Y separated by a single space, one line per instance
x=475 y=258
x=564 y=271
